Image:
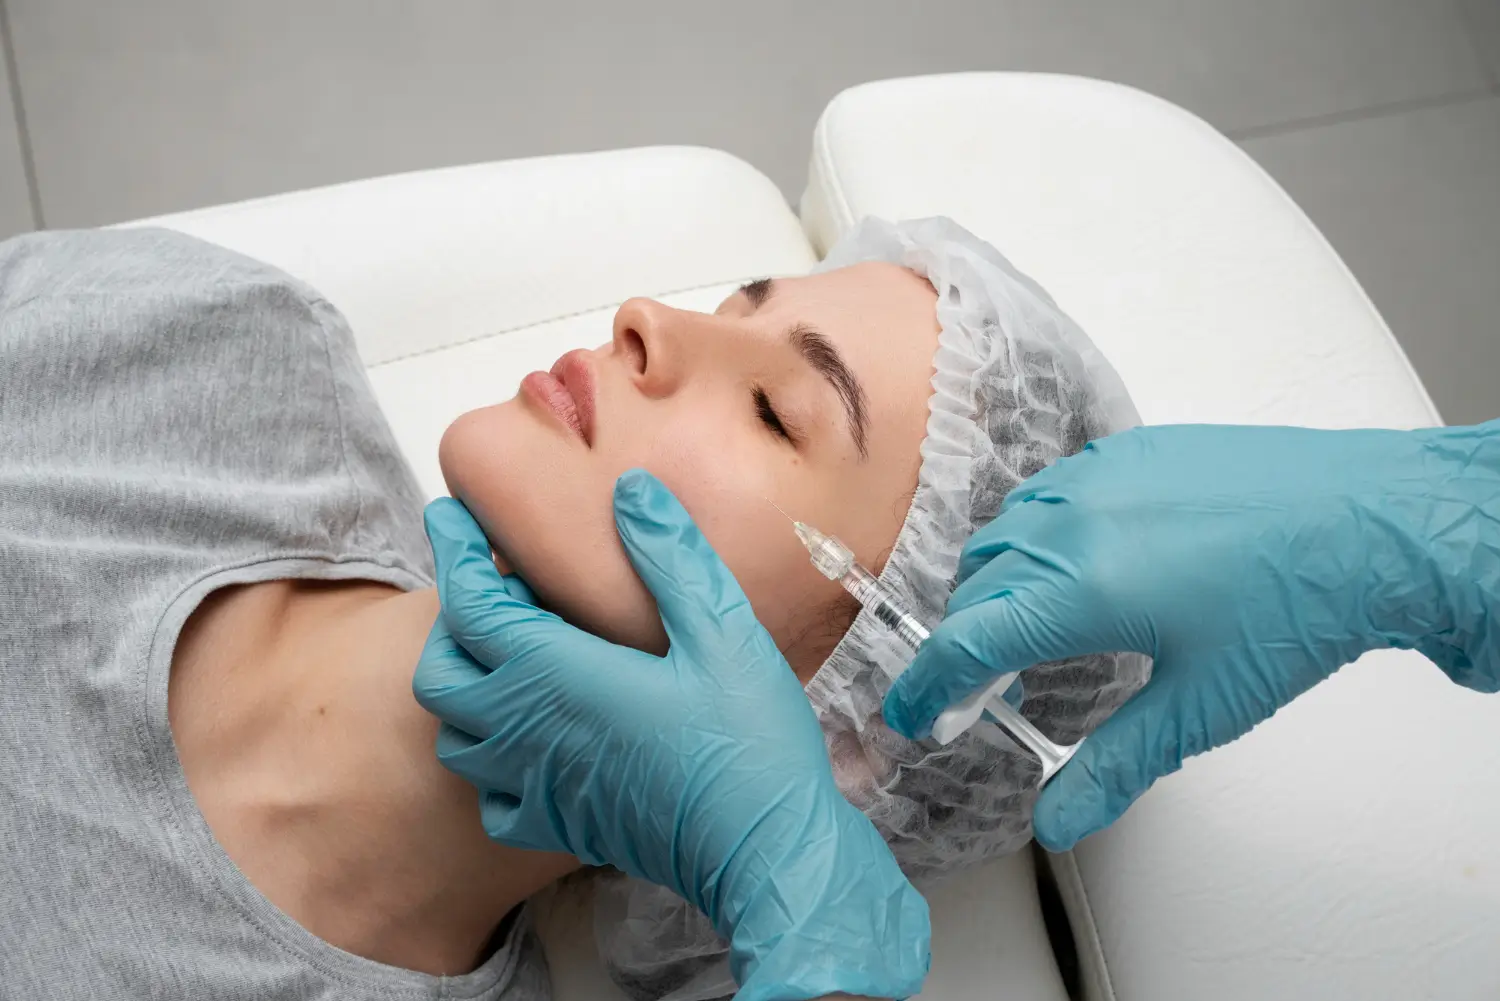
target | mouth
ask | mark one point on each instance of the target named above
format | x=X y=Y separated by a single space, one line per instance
x=567 y=391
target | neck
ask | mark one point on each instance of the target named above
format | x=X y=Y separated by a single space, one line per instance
x=292 y=710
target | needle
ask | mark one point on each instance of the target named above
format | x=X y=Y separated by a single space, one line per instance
x=778 y=507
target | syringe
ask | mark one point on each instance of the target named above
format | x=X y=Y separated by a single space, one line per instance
x=836 y=561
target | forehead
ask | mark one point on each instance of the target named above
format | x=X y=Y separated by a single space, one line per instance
x=865 y=288
x=881 y=317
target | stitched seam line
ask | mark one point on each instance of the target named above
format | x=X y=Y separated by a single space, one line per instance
x=554 y=319
x=835 y=182
x=338 y=409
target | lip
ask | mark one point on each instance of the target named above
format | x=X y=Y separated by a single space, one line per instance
x=568 y=392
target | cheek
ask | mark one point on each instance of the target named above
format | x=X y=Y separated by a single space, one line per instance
x=724 y=481
x=504 y=467
x=546 y=507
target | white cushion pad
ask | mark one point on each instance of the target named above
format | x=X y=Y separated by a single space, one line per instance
x=1212 y=293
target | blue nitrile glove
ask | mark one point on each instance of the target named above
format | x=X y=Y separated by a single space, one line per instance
x=1250 y=562
x=704 y=771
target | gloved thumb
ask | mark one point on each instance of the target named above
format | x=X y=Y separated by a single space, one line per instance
x=1148 y=737
x=699 y=599
x=1007 y=617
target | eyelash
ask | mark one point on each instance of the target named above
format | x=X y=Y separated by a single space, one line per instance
x=768 y=416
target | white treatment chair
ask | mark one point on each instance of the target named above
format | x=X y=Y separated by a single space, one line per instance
x=1350 y=849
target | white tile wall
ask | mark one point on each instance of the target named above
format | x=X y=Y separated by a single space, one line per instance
x=1365 y=109
x=164 y=104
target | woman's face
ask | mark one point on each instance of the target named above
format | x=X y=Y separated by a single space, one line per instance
x=810 y=392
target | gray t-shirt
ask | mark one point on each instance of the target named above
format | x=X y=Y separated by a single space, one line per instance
x=174 y=418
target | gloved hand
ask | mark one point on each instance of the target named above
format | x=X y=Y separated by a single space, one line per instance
x=1250 y=562
x=704 y=771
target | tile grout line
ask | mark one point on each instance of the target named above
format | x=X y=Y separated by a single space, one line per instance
x=18 y=109
x=1358 y=115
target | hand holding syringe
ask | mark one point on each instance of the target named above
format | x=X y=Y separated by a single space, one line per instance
x=836 y=561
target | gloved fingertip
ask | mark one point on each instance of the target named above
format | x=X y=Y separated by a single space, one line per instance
x=634 y=488
x=900 y=716
x=453 y=533
x=497 y=815
x=1064 y=817
x=443 y=515
x=443 y=668
x=1054 y=839
x=645 y=506
x=678 y=565
x=1051 y=829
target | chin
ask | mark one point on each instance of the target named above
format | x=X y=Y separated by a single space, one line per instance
x=548 y=512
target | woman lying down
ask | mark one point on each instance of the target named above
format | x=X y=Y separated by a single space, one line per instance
x=216 y=585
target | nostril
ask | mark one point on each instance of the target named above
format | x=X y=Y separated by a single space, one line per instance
x=634 y=348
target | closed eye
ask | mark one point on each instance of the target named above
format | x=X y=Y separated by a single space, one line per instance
x=771 y=419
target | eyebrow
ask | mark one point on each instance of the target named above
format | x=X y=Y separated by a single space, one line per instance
x=819 y=352
x=827 y=362
x=757 y=291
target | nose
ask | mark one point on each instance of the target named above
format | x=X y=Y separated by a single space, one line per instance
x=643 y=334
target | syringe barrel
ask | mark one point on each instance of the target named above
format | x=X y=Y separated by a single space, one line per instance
x=873 y=595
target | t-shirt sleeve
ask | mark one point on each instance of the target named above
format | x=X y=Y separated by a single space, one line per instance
x=157 y=391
